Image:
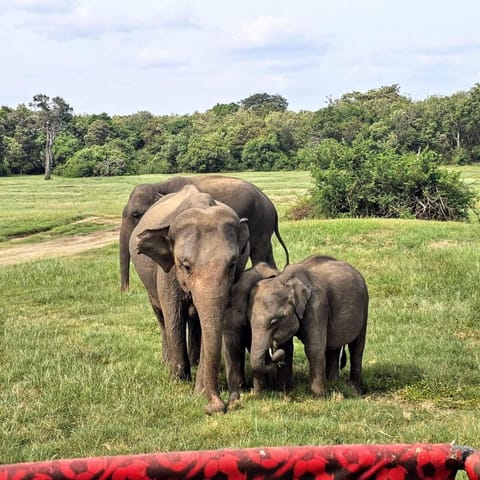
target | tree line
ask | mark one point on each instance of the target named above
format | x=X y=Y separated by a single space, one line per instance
x=256 y=133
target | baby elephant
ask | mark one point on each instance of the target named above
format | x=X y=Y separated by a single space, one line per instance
x=236 y=328
x=321 y=300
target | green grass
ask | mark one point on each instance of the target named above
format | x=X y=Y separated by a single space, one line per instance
x=80 y=364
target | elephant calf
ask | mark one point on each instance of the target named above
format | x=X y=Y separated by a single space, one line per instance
x=321 y=300
x=236 y=328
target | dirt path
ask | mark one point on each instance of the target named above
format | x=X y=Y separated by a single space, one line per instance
x=57 y=248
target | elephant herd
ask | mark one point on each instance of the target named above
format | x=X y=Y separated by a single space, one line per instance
x=190 y=239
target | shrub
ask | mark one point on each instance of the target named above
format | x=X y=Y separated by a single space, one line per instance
x=113 y=158
x=360 y=181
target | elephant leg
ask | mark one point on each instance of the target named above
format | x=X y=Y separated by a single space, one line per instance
x=332 y=358
x=356 y=355
x=175 y=334
x=245 y=342
x=161 y=323
x=261 y=250
x=269 y=256
x=194 y=336
x=234 y=358
x=284 y=374
x=315 y=348
x=206 y=383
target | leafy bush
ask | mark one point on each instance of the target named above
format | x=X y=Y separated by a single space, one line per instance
x=361 y=181
x=113 y=158
x=264 y=154
x=82 y=163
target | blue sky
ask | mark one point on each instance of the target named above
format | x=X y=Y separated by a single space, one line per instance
x=177 y=57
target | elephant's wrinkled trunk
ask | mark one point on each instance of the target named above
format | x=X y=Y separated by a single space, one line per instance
x=210 y=309
x=124 y=255
x=266 y=362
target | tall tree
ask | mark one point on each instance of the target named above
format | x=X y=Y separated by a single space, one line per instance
x=264 y=103
x=53 y=114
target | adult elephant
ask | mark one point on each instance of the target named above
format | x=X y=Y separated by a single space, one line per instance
x=188 y=249
x=245 y=198
x=324 y=302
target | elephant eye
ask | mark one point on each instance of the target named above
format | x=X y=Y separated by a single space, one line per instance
x=273 y=322
x=186 y=267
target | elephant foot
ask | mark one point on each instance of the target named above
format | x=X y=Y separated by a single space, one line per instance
x=181 y=373
x=233 y=397
x=358 y=387
x=233 y=403
x=318 y=390
x=216 y=405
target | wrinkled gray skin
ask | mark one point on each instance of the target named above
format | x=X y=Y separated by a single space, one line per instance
x=236 y=329
x=324 y=302
x=244 y=197
x=187 y=249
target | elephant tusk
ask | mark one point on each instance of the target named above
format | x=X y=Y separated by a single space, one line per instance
x=277 y=356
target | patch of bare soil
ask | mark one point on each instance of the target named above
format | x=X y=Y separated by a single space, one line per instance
x=60 y=247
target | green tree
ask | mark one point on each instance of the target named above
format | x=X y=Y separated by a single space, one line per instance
x=264 y=103
x=52 y=114
x=264 y=153
x=22 y=152
x=98 y=132
x=207 y=153
x=223 y=109
x=65 y=147
x=117 y=159
x=238 y=129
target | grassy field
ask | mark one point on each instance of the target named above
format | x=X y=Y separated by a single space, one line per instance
x=80 y=364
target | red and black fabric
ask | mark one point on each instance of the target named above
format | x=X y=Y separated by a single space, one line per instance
x=337 y=462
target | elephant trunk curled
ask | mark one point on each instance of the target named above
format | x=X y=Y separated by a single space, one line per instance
x=263 y=361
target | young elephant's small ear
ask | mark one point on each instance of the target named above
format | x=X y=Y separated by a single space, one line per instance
x=265 y=270
x=298 y=296
x=156 y=244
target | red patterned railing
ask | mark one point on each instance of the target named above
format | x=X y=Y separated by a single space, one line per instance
x=337 y=462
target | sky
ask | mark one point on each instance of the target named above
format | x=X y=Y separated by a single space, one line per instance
x=185 y=56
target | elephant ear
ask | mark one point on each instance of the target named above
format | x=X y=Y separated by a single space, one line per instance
x=265 y=270
x=298 y=295
x=243 y=245
x=156 y=244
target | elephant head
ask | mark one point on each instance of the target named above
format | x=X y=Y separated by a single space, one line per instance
x=276 y=308
x=199 y=247
x=141 y=199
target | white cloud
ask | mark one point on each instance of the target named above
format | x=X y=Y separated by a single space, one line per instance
x=264 y=31
x=183 y=55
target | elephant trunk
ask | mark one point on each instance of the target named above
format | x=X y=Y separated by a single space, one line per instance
x=263 y=361
x=210 y=311
x=124 y=254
